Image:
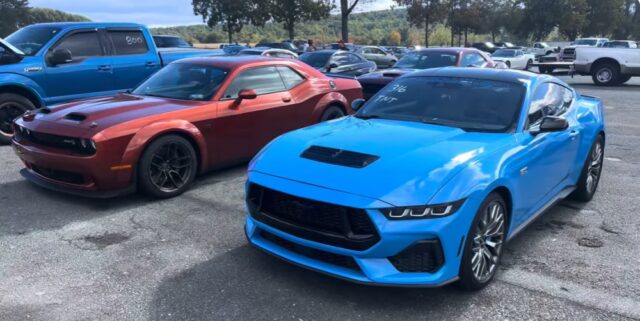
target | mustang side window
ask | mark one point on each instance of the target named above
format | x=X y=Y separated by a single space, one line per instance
x=549 y=100
x=264 y=80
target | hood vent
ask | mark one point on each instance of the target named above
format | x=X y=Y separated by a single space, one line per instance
x=338 y=157
x=75 y=116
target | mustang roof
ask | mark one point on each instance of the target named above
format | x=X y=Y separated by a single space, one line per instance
x=508 y=75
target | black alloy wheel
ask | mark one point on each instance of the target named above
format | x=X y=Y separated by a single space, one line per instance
x=332 y=112
x=11 y=107
x=168 y=166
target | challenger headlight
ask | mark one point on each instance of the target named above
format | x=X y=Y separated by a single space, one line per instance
x=87 y=146
x=426 y=211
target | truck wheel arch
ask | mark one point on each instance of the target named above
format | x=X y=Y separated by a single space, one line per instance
x=24 y=92
x=601 y=61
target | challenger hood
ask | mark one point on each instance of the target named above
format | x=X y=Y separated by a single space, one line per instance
x=98 y=114
x=398 y=162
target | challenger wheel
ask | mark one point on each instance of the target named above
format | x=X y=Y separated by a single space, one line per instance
x=332 y=112
x=529 y=63
x=606 y=74
x=590 y=175
x=167 y=167
x=11 y=107
x=483 y=246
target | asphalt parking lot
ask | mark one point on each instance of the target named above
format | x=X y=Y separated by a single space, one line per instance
x=134 y=258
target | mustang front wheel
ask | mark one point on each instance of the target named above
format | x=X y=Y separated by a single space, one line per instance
x=483 y=247
x=167 y=167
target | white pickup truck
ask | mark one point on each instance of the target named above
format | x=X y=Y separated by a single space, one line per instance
x=607 y=66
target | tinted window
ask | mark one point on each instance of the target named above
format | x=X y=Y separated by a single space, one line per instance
x=354 y=59
x=470 y=104
x=340 y=59
x=290 y=77
x=316 y=59
x=183 y=81
x=263 y=80
x=472 y=59
x=426 y=60
x=549 y=100
x=30 y=39
x=128 y=42
x=82 y=44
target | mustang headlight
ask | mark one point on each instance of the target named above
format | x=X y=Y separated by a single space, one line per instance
x=426 y=211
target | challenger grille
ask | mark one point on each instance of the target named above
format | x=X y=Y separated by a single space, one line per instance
x=50 y=140
x=317 y=221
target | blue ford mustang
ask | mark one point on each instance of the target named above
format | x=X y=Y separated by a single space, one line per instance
x=425 y=183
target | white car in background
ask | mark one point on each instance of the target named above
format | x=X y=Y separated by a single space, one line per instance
x=540 y=49
x=514 y=58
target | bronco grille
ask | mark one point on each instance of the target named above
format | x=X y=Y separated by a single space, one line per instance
x=326 y=257
x=317 y=221
x=338 y=157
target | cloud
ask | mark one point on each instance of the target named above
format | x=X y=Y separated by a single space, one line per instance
x=151 y=13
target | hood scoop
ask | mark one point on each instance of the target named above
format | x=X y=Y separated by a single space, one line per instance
x=44 y=110
x=75 y=117
x=391 y=74
x=338 y=157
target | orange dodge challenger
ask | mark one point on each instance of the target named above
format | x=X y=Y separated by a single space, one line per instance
x=192 y=116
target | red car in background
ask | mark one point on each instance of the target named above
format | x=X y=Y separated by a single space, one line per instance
x=424 y=59
x=192 y=116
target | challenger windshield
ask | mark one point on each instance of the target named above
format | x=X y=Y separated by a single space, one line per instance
x=184 y=81
x=426 y=60
x=471 y=104
x=504 y=53
x=31 y=39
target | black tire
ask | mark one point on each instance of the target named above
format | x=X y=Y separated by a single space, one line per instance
x=529 y=63
x=591 y=172
x=11 y=107
x=332 y=112
x=624 y=79
x=543 y=70
x=606 y=74
x=548 y=53
x=508 y=63
x=167 y=167
x=478 y=254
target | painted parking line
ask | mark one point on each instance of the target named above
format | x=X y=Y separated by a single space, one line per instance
x=580 y=294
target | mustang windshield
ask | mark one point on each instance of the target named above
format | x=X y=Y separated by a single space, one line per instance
x=184 y=81
x=30 y=39
x=471 y=104
x=426 y=60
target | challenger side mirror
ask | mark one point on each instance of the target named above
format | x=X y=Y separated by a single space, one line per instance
x=551 y=124
x=245 y=94
x=356 y=104
x=61 y=57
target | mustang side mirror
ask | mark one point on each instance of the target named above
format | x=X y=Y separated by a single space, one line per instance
x=357 y=104
x=245 y=94
x=551 y=124
x=61 y=56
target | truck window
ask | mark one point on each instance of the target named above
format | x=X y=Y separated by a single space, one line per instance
x=81 y=44
x=128 y=42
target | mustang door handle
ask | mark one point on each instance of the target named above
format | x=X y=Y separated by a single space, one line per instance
x=104 y=68
x=574 y=133
x=150 y=64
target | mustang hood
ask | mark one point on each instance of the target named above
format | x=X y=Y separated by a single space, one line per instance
x=101 y=113
x=401 y=163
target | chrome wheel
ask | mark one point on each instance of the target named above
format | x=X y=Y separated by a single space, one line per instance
x=487 y=241
x=171 y=167
x=604 y=75
x=594 y=167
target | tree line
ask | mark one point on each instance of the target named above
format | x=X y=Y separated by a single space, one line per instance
x=530 y=20
x=15 y=14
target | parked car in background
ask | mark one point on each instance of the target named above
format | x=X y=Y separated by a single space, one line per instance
x=505 y=45
x=382 y=58
x=484 y=46
x=514 y=58
x=50 y=63
x=607 y=66
x=569 y=53
x=399 y=52
x=540 y=49
x=166 y=41
x=232 y=50
x=338 y=62
x=194 y=115
x=621 y=44
x=431 y=177
x=427 y=58
x=268 y=52
x=280 y=45
x=336 y=46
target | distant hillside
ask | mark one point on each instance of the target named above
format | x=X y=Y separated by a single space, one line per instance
x=374 y=27
x=39 y=15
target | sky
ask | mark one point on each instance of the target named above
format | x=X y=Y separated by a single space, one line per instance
x=153 y=13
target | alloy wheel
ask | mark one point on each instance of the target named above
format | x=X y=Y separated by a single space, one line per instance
x=594 y=167
x=8 y=112
x=170 y=167
x=487 y=241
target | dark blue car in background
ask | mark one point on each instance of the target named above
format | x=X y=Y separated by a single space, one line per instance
x=45 y=64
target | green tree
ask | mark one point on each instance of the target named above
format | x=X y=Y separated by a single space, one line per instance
x=574 y=18
x=346 y=8
x=604 y=17
x=424 y=13
x=232 y=15
x=394 y=38
x=13 y=15
x=291 y=12
x=539 y=18
x=40 y=15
